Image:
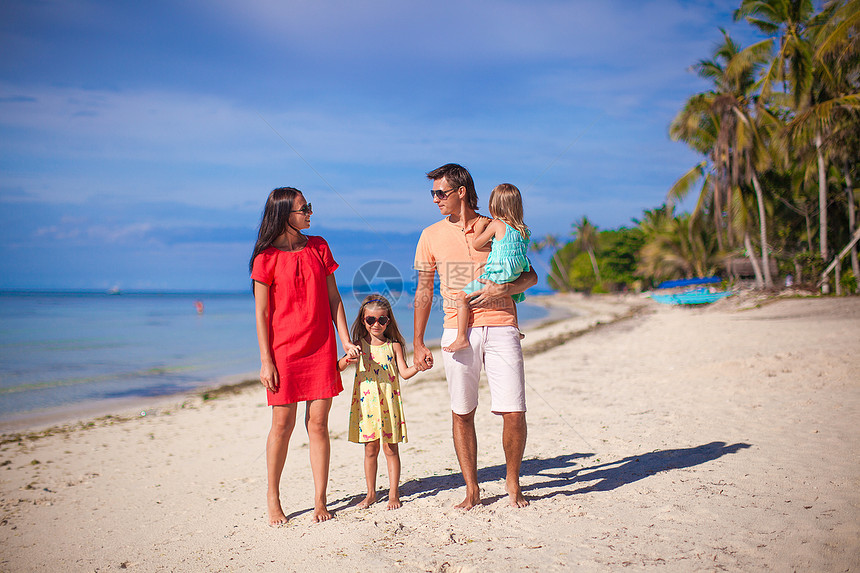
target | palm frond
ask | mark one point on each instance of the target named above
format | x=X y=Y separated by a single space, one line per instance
x=744 y=64
x=839 y=32
x=681 y=188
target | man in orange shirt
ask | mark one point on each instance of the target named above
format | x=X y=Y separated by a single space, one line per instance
x=494 y=339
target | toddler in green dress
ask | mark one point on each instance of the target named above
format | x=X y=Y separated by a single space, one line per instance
x=507 y=259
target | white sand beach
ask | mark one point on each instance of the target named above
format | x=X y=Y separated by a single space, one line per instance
x=723 y=438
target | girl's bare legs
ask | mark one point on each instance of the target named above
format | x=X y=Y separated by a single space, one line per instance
x=392 y=459
x=316 y=422
x=463 y=315
x=283 y=422
x=371 y=453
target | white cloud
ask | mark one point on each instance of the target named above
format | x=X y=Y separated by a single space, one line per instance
x=465 y=32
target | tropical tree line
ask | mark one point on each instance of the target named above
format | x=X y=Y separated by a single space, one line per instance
x=778 y=133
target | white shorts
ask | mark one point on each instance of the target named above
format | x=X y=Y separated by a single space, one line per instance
x=498 y=350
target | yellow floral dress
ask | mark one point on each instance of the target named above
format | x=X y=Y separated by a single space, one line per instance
x=377 y=411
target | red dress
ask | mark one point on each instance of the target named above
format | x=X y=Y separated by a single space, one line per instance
x=301 y=332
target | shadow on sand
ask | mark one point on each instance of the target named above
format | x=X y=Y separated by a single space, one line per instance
x=612 y=475
x=563 y=475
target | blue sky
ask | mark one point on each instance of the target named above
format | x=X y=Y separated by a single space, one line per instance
x=138 y=141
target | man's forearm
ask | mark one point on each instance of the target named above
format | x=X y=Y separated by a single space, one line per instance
x=421 y=317
x=423 y=304
x=524 y=282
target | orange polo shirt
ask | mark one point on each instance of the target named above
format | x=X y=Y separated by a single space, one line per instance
x=446 y=248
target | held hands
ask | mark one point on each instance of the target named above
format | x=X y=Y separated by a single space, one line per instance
x=352 y=350
x=344 y=362
x=422 y=358
x=351 y=357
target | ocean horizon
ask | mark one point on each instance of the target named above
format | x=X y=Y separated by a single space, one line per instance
x=77 y=347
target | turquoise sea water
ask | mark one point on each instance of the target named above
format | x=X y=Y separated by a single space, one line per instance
x=74 y=347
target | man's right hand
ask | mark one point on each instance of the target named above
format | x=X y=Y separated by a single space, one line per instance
x=422 y=357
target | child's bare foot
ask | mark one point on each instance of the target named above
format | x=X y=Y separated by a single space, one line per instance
x=394 y=503
x=321 y=513
x=368 y=501
x=458 y=344
x=276 y=513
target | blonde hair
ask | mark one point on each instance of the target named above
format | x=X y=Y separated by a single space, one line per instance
x=506 y=204
x=359 y=328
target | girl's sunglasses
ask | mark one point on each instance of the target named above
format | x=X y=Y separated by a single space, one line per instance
x=371 y=320
x=306 y=208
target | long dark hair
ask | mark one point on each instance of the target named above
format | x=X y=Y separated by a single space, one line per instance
x=275 y=219
x=359 y=328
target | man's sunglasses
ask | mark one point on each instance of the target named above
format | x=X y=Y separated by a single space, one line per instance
x=306 y=208
x=371 y=320
x=440 y=193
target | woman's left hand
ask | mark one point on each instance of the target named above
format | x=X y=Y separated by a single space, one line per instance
x=351 y=349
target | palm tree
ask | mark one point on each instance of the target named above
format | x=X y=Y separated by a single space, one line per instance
x=696 y=126
x=558 y=270
x=743 y=223
x=814 y=57
x=837 y=35
x=834 y=108
x=676 y=247
x=787 y=21
x=586 y=239
x=759 y=125
x=735 y=114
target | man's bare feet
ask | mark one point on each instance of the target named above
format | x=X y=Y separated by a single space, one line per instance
x=458 y=344
x=276 y=513
x=516 y=497
x=368 y=501
x=394 y=503
x=471 y=501
x=321 y=513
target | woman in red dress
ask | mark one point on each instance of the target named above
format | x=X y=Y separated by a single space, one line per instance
x=297 y=301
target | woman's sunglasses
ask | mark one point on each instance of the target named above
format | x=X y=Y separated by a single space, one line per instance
x=371 y=320
x=306 y=208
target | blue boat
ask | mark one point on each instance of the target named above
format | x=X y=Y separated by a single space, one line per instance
x=698 y=295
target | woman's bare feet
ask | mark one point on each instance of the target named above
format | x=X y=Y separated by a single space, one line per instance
x=368 y=501
x=321 y=513
x=394 y=503
x=459 y=344
x=276 y=513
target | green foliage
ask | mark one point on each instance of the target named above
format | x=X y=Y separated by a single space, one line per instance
x=811 y=266
x=559 y=278
x=618 y=255
x=848 y=281
x=581 y=275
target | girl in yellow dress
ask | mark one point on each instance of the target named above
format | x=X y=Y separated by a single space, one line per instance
x=376 y=414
